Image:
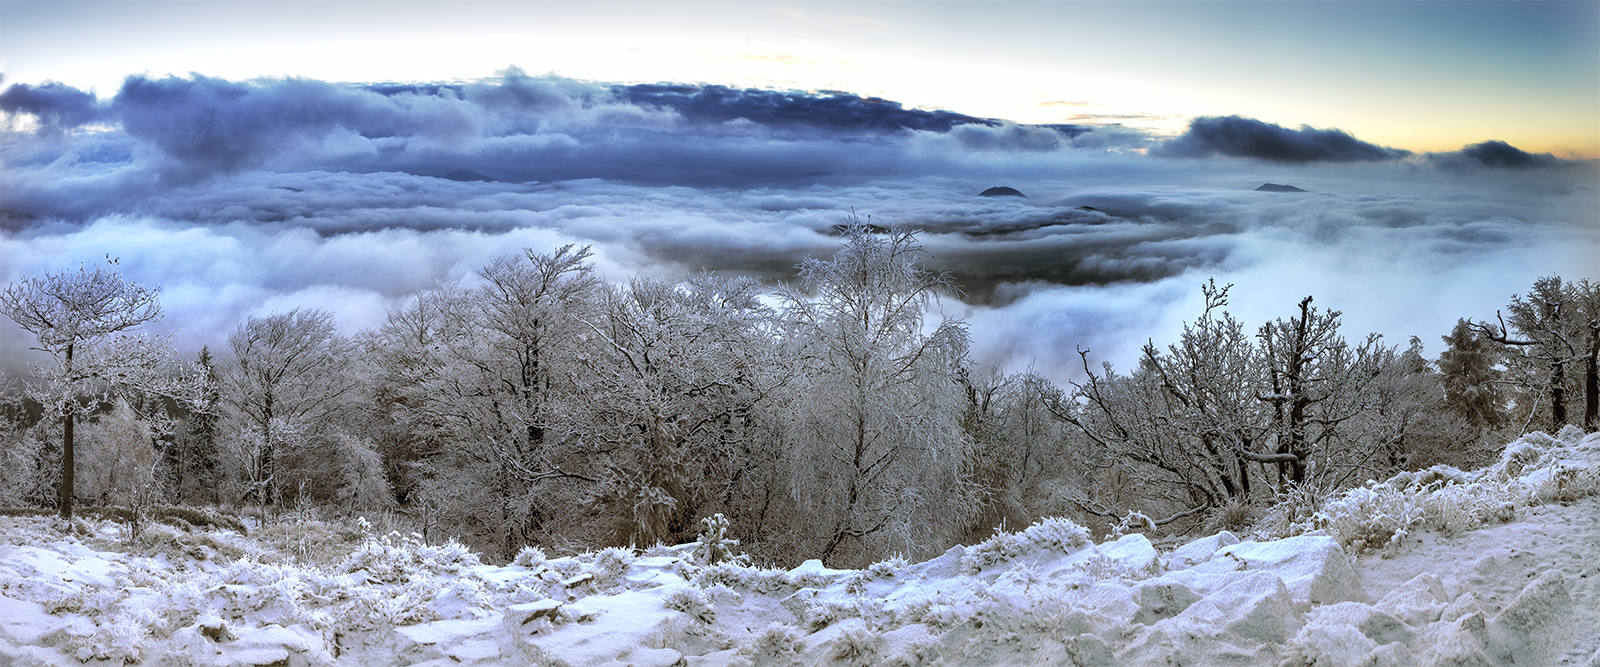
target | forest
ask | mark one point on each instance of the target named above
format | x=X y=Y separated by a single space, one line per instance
x=836 y=416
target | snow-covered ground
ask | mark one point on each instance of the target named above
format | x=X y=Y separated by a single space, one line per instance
x=1495 y=567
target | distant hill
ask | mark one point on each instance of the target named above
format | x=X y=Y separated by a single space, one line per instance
x=465 y=175
x=1274 y=187
x=1001 y=191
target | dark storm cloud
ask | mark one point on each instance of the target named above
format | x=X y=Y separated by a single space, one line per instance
x=828 y=109
x=177 y=132
x=1237 y=136
x=207 y=125
x=1495 y=154
x=56 y=105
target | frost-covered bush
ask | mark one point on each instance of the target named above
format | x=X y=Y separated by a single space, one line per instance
x=120 y=641
x=886 y=569
x=1233 y=516
x=1532 y=470
x=198 y=545
x=1106 y=568
x=735 y=576
x=817 y=614
x=714 y=546
x=1132 y=521
x=1053 y=533
x=310 y=541
x=395 y=558
x=777 y=645
x=1526 y=452
x=608 y=565
x=1293 y=513
x=857 y=646
x=693 y=602
x=529 y=557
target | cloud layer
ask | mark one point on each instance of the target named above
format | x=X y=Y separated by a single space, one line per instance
x=243 y=198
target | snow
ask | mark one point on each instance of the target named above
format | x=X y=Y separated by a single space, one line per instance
x=1439 y=576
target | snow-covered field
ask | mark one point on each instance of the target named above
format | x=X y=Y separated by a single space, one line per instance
x=1493 y=567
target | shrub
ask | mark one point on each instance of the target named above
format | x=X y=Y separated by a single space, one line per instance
x=776 y=645
x=857 y=645
x=529 y=557
x=714 y=546
x=1052 y=533
x=692 y=602
x=400 y=559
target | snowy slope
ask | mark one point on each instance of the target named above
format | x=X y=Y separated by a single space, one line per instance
x=1443 y=579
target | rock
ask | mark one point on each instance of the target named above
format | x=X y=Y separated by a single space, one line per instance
x=1375 y=625
x=1161 y=600
x=1418 y=602
x=1312 y=566
x=1525 y=629
x=1089 y=650
x=1459 y=643
x=650 y=657
x=1199 y=551
x=1257 y=608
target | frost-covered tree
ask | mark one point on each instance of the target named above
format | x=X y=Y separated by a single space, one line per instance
x=192 y=460
x=1470 y=376
x=1186 y=424
x=1314 y=382
x=482 y=377
x=82 y=321
x=1553 y=347
x=878 y=453
x=1198 y=424
x=29 y=451
x=1209 y=381
x=667 y=387
x=288 y=381
x=1022 y=460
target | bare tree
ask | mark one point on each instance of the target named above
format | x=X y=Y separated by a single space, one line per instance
x=81 y=320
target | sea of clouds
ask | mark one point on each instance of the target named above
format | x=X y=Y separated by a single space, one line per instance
x=243 y=198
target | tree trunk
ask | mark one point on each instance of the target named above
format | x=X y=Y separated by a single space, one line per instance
x=1591 y=379
x=1558 y=395
x=68 y=462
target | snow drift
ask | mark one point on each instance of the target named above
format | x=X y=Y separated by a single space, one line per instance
x=1442 y=567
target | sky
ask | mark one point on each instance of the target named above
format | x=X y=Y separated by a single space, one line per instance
x=253 y=157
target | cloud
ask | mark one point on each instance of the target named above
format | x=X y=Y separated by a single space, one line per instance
x=834 y=110
x=1237 y=136
x=57 y=106
x=245 y=197
x=1495 y=154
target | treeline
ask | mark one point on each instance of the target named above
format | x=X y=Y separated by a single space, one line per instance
x=829 y=418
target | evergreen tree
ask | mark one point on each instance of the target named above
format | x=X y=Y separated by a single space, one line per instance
x=1468 y=365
